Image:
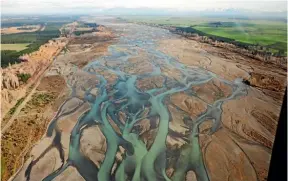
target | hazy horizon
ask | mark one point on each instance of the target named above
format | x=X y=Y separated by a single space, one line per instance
x=97 y=6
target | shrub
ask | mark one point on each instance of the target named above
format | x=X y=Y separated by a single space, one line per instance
x=13 y=109
x=24 y=77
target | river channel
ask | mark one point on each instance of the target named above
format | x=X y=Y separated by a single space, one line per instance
x=139 y=162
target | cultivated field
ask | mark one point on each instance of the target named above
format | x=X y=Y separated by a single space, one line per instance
x=16 y=47
x=20 y=29
x=266 y=33
x=48 y=30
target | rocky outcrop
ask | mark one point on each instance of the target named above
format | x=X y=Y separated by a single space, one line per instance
x=10 y=81
x=266 y=82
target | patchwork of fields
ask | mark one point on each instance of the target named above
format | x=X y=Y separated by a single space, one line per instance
x=15 y=45
x=266 y=33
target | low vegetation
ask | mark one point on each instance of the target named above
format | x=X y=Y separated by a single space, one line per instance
x=13 y=109
x=41 y=99
x=23 y=77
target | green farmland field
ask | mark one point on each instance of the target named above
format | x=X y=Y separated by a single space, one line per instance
x=273 y=35
x=16 y=47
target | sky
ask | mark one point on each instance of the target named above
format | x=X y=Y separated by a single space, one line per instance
x=46 y=6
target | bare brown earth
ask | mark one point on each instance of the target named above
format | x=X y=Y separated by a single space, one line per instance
x=31 y=123
x=227 y=64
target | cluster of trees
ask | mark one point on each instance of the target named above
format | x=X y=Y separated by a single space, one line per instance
x=77 y=33
x=92 y=25
x=225 y=24
x=26 y=28
x=13 y=24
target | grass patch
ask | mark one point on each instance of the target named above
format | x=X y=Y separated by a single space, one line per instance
x=17 y=47
x=13 y=109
